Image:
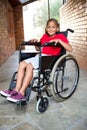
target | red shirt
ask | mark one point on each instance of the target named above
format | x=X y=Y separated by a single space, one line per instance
x=52 y=50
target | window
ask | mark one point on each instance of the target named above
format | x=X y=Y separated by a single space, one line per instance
x=64 y=1
x=35 y=16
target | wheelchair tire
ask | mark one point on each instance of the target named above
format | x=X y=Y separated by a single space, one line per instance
x=42 y=104
x=64 y=77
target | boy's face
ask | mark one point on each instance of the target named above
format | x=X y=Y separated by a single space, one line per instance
x=51 y=28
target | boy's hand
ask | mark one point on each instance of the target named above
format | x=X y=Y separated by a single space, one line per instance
x=33 y=40
x=56 y=41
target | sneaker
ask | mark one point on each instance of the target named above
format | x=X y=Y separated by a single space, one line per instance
x=13 y=92
x=16 y=97
x=6 y=93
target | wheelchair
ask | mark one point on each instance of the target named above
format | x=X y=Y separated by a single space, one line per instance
x=57 y=76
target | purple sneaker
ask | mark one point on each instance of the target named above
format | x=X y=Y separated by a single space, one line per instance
x=16 y=97
x=13 y=92
x=6 y=93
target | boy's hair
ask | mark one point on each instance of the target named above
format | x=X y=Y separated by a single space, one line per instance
x=54 y=20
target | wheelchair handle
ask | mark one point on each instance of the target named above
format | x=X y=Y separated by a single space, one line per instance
x=51 y=44
x=70 y=30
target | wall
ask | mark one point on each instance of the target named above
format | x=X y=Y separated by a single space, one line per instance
x=19 y=29
x=5 y=48
x=73 y=15
x=11 y=29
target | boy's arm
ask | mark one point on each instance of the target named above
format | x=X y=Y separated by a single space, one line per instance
x=67 y=46
x=35 y=40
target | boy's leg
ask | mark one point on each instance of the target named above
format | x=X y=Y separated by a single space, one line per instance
x=20 y=76
x=24 y=81
x=27 y=79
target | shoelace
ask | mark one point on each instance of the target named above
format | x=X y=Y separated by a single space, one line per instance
x=14 y=93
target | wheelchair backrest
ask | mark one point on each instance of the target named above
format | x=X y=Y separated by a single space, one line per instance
x=65 y=33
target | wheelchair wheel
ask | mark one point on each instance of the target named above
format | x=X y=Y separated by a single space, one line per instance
x=42 y=104
x=64 y=77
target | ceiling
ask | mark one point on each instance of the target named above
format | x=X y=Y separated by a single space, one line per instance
x=18 y=2
x=25 y=2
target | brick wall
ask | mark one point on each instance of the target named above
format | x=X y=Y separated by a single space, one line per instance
x=5 y=48
x=73 y=15
x=19 y=30
x=11 y=29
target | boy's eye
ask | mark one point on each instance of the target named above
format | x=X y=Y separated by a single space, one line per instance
x=48 y=27
x=51 y=27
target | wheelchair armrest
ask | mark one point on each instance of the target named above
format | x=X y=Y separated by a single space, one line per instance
x=23 y=54
x=30 y=43
x=51 y=44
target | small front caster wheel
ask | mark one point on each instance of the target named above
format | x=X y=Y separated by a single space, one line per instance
x=21 y=103
x=42 y=104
